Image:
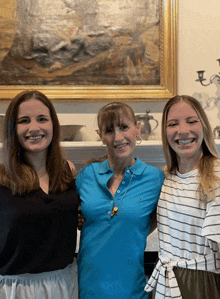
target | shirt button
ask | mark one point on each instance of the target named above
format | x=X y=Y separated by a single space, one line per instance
x=109 y=212
x=118 y=191
x=128 y=171
x=112 y=201
x=123 y=182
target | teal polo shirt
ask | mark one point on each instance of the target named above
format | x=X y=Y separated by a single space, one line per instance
x=111 y=255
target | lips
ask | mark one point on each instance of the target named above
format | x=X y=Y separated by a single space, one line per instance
x=120 y=146
x=184 y=141
x=34 y=137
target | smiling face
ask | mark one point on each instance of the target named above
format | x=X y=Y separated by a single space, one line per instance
x=184 y=131
x=121 y=138
x=34 y=126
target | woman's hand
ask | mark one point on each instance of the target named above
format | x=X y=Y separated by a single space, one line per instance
x=81 y=219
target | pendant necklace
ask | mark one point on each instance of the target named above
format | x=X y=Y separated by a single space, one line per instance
x=115 y=208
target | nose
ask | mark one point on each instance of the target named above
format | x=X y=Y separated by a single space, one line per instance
x=183 y=128
x=33 y=126
x=118 y=134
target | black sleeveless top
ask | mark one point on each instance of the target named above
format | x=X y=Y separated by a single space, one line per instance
x=38 y=231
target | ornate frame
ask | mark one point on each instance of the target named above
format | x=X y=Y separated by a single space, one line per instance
x=168 y=73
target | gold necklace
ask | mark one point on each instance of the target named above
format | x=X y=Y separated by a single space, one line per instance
x=115 y=208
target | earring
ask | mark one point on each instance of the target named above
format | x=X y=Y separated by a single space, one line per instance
x=139 y=140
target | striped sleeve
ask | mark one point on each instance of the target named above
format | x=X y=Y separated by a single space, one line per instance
x=211 y=224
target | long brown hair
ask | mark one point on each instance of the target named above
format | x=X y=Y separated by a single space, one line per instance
x=16 y=172
x=209 y=149
x=106 y=119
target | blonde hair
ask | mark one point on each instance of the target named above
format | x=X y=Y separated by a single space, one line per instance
x=210 y=155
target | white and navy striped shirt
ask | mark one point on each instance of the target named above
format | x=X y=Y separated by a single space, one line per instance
x=188 y=230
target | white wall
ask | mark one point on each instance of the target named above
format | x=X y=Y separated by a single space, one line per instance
x=198 y=44
x=198 y=49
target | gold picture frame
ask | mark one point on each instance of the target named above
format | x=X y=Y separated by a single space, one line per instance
x=166 y=88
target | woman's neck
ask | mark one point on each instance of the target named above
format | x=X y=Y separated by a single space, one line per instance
x=38 y=161
x=188 y=164
x=119 y=165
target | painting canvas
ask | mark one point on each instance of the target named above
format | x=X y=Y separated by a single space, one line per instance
x=88 y=48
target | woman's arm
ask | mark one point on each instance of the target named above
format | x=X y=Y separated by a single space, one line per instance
x=153 y=221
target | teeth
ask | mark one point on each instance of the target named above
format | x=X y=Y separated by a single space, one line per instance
x=121 y=146
x=34 y=137
x=187 y=141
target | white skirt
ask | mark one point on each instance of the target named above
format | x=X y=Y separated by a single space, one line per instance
x=59 y=284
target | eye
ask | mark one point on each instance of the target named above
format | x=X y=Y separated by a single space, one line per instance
x=193 y=121
x=23 y=121
x=171 y=124
x=124 y=127
x=43 y=119
x=108 y=130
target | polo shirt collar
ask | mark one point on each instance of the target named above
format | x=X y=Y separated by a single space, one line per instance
x=138 y=169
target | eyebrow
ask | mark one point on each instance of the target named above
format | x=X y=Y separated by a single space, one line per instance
x=26 y=116
x=186 y=118
x=22 y=117
x=43 y=115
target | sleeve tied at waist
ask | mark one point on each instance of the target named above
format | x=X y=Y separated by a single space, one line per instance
x=164 y=278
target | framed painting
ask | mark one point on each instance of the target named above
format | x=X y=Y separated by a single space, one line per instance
x=89 y=49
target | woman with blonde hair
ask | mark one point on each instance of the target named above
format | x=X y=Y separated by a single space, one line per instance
x=118 y=195
x=38 y=204
x=188 y=213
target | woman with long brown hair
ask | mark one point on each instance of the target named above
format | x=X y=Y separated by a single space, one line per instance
x=38 y=204
x=188 y=213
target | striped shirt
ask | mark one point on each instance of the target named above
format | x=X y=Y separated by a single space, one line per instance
x=188 y=230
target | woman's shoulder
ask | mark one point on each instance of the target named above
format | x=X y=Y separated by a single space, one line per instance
x=72 y=167
x=6 y=194
x=149 y=170
x=90 y=169
x=149 y=167
x=86 y=175
x=84 y=172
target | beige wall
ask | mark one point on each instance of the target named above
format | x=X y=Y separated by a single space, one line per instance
x=198 y=44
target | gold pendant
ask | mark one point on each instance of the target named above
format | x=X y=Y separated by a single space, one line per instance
x=114 y=211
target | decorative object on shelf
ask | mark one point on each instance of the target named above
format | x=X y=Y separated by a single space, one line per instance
x=69 y=132
x=216 y=132
x=201 y=76
x=145 y=124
